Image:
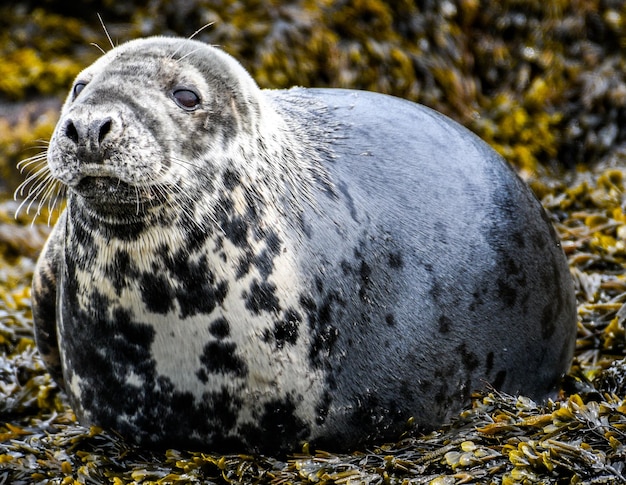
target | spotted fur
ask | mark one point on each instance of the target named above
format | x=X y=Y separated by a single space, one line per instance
x=247 y=270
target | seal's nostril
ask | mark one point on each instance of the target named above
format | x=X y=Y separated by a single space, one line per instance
x=71 y=132
x=104 y=130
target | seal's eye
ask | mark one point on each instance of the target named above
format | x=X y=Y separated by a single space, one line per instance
x=78 y=87
x=186 y=98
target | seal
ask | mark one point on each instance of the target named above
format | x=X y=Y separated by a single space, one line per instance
x=241 y=269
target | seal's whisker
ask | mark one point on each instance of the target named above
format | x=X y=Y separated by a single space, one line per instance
x=20 y=207
x=33 y=194
x=38 y=190
x=45 y=143
x=211 y=213
x=31 y=181
x=46 y=192
x=41 y=165
x=31 y=187
x=60 y=193
x=26 y=162
x=98 y=47
x=43 y=148
x=42 y=144
x=32 y=177
x=138 y=201
x=51 y=187
x=176 y=51
x=177 y=203
x=182 y=162
x=104 y=27
x=191 y=52
x=205 y=26
x=34 y=173
x=180 y=204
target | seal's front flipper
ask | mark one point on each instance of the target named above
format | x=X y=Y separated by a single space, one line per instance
x=44 y=298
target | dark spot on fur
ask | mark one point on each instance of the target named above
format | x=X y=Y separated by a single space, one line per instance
x=220 y=328
x=244 y=264
x=253 y=216
x=322 y=344
x=223 y=407
x=469 y=359
x=196 y=234
x=323 y=408
x=120 y=270
x=365 y=410
x=319 y=284
x=286 y=331
x=324 y=316
x=506 y=293
x=444 y=324
x=489 y=362
x=197 y=289
x=218 y=244
x=157 y=292
x=477 y=300
x=365 y=272
x=307 y=302
x=499 y=380
x=273 y=242
x=547 y=321
x=261 y=297
x=390 y=319
x=436 y=291
x=202 y=376
x=82 y=235
x=395 y=260
x=512 y=267
x=444 y=397
x=236 y=230
x=264 y=262
x=278 y=424
x=323 y=333
x=231 y=179
x=343 y=188
x=220 y=358
x=373 y=415
x=519 y=239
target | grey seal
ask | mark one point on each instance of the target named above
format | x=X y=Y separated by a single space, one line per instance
x=241 y=269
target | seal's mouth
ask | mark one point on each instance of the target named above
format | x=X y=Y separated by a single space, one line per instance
x=111 y=191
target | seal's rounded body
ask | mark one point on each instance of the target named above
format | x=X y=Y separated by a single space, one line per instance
x=246 y=270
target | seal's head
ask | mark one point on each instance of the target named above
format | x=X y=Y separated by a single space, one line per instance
x=143 y=116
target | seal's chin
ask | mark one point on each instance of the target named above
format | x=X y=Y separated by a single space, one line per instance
x=110 y=193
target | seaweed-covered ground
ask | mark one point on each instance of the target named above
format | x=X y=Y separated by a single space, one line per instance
x=543 y=82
